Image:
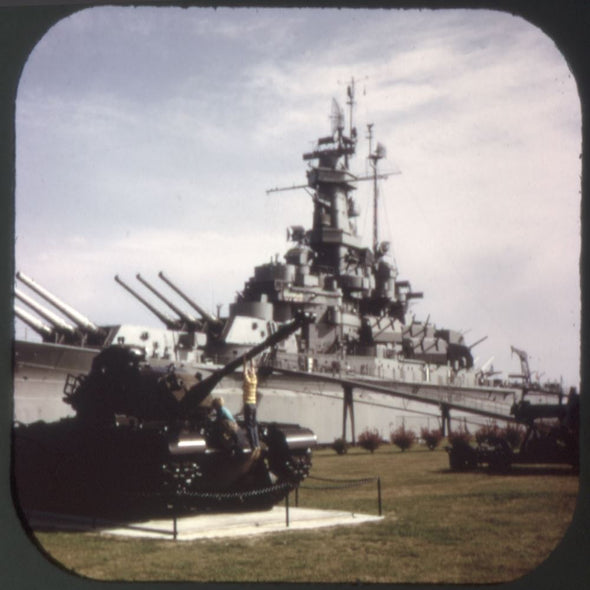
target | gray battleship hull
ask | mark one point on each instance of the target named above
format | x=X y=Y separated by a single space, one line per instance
x=40 y=371
x=314 y=399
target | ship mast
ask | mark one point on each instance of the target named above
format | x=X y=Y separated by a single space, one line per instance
x=351 y=130
x=375 y=157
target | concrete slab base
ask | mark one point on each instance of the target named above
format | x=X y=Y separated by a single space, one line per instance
x=209 y=526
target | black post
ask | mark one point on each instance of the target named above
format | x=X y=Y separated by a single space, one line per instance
x=348 y=407
x=379 y=496
x=446 y=419
x=175 y=527
x=297 y=496
x=287 y=510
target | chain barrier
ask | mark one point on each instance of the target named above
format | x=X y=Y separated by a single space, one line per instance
x=233 y=495
x=217 y=495
x=269 y=490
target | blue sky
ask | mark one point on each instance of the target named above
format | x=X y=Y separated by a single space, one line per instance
x=147 y=138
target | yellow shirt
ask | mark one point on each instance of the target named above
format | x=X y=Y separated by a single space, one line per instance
x=249 y=387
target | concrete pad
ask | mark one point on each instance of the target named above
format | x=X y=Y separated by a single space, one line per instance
x=210 y=526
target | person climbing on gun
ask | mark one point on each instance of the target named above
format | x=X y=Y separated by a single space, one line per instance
x=249 y=386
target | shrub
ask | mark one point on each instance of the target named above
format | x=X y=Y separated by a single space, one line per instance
x=370 y=440
x=340 y=446
x=461 y=434
x=431 y=438
x=403 y=438
x=513 y=435
x=487 y=432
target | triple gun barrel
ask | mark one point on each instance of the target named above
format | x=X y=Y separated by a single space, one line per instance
x=85 y=332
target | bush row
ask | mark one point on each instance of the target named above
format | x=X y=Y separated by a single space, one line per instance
x=404 y=438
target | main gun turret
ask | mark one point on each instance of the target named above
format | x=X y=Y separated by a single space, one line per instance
x=85 y=331
x=185 y=322
x=59 y=325
x=165 y=319
x=215 y=323
x=42 y=329
x=190 y=323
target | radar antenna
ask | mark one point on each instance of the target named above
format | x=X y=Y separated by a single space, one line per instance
x=336 y=119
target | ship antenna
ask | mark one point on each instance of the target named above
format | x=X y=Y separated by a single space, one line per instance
x=350 y=103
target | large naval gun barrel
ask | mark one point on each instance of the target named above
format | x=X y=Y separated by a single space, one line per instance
x=189 y=320
x=210 y=319
x=42 y=329
x=80 y=320
x=58 y=323
x=166 y=320
x=200 y=390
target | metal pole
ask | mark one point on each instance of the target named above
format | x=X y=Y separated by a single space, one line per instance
x=375 y=207
x=287 y=510
x=352 y=430
x=175 y=527
x=379 y=496
x=344 y=413
x=297 y=496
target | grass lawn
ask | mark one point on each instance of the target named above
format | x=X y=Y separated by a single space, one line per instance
x=439 y=527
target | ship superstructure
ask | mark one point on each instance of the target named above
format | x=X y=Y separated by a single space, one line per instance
x=362 y=307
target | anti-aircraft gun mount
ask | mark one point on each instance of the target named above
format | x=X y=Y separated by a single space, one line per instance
x=143 y=440
x=551 y=435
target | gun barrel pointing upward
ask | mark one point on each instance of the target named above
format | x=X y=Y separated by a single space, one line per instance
x=48 y=315
x=181 y=314
x=81 y=321
x=166 y=320
x=204 y=314
x=478 y=342
x=42 y=329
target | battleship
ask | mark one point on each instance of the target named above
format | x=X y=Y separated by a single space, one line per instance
x=365 y=354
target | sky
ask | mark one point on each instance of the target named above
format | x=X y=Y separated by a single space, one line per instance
x=146 y=139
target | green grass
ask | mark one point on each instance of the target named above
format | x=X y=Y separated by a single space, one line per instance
x=439 y=527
